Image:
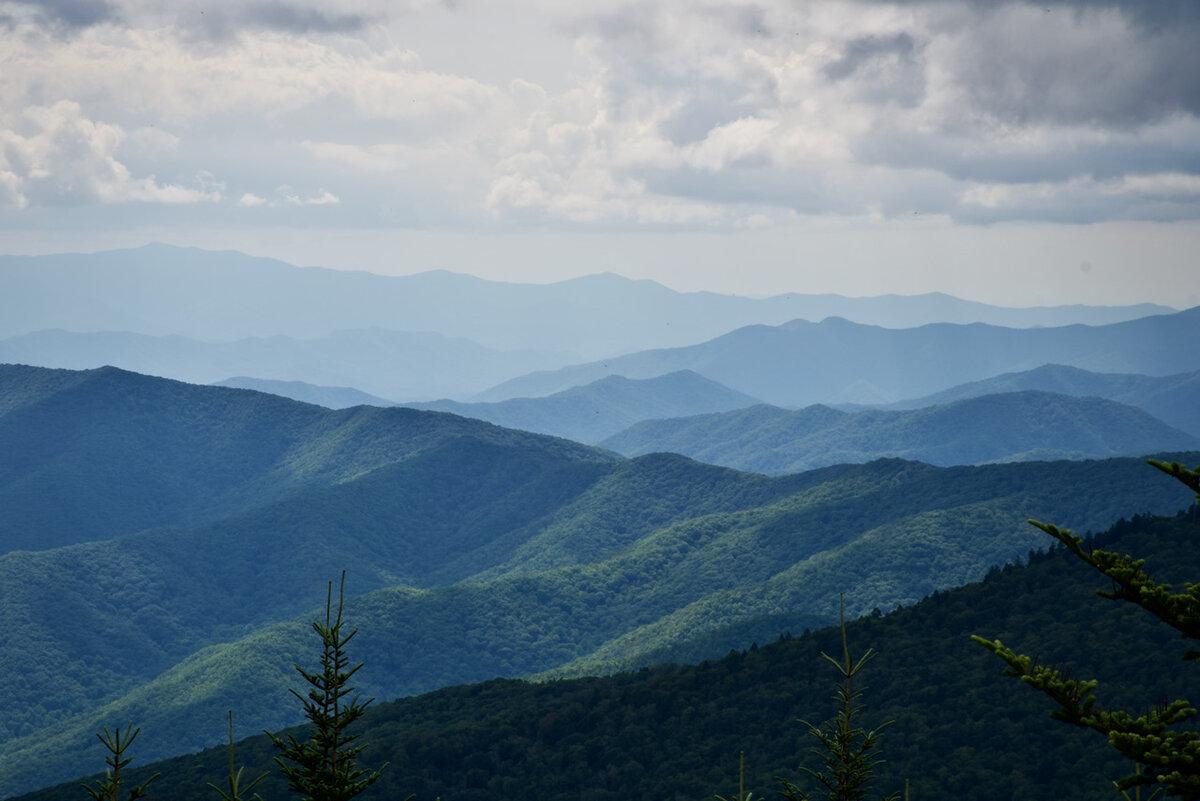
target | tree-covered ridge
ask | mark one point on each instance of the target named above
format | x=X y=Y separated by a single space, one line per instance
x=675 y=732
x=1013 y=426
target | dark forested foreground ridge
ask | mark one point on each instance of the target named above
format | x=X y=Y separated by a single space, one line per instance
x=960 y=731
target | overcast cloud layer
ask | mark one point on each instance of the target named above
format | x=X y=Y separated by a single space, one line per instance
x=674 y=116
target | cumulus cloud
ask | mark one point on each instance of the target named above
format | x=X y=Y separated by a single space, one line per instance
x=69 y=159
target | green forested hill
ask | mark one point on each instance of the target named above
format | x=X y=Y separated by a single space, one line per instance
x=99 y=453
x=1009 y=426
x=960 y=732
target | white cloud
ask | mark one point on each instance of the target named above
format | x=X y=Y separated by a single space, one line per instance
x=665 y=112
x=70 y=159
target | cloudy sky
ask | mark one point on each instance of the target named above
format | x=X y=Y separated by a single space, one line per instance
x=1009 y=152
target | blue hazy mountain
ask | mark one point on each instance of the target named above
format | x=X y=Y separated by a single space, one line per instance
x=836 y=361
x=329 y=397
x=395 y=365
x=1006 y=427
x=600 y=409
x=1174 y=399
x=223 y=296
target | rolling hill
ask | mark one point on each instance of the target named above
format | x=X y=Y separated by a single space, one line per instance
x=1012 y=426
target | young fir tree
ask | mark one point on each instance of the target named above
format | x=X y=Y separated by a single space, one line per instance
x=324 y=766
x=236 y=791
x=848 y=752
x=110 y=789
x=1166 y=753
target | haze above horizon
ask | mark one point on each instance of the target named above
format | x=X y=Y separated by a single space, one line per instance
x=1010 y=153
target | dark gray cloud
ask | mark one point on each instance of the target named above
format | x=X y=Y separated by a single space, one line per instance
x=66 y=14
x=222 y=23
x=1015 y=73
x=962 y=159
x=884 y=69
x=865 y=49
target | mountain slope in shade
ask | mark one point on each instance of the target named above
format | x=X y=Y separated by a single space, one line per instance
x=390 y=364
x=329 y=397
x=100 y=453
x=592 y=412
x=837 y=361
x=217 y=296
x=992 y=428
x=1174 y=399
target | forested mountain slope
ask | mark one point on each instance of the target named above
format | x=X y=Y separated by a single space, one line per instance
x=99 y=453
x=1012 y=426
x=961 y=731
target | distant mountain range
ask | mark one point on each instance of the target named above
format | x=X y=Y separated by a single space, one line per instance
x=602 y=408
x=388 y=364
x=329 y=397
x=1005 y=427
x=185 y=534
x=226 y=296
x=1174 y=399
x=836 y=361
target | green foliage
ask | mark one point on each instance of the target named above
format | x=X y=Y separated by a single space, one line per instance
x=1153 y=739
x=116 y=744
x=848 y=752
x=324 y=766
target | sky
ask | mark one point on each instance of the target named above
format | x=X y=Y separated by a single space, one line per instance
x=1015 y=153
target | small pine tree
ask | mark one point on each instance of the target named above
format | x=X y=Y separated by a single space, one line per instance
x=110 y=789
x=323 y=767
x=1169 y=754
x=236 y=791
x=849 y=753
